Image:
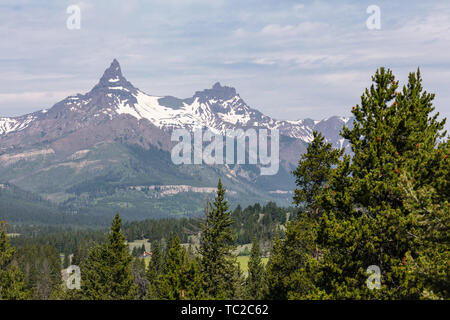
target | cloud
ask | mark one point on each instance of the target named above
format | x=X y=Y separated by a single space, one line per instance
x=32 y=96
x=291 y=30
x=290 y=59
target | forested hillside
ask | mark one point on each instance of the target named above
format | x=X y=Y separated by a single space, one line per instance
x=370 y=224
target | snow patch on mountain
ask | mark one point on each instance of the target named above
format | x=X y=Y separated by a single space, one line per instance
x=8 y=125
x=218 y=108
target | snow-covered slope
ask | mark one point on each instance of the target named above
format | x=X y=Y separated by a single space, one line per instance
x=214 y=111
x=218 y=109
x=8 y=125
x=216 y=114
x=117 y=135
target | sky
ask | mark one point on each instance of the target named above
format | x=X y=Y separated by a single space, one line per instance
x=288 y=59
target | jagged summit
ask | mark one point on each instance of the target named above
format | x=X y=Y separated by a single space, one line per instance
x=113 y=71
x=113 y=145
x=218 y=108
x=217 y=92
x=113 y=78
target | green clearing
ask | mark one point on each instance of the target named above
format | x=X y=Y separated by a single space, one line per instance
x=243 y=262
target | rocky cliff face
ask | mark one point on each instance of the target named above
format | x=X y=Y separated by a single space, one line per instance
x=92 y=147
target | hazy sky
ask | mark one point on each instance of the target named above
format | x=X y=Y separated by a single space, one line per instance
x=289 y=59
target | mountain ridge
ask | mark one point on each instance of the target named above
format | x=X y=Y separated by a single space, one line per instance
x=218 y=108
x=110 y=149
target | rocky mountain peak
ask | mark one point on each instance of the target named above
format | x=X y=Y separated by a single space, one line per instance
x=113 y=71
x=113 y=78
x=218 y=92
x=114 y=98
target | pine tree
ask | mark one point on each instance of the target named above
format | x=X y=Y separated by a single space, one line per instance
x=66 y=261
x=256 y=282
x=194 y=276
x=432 y=221
x=12 y=285
x=80 y=253
x=140 y=280
x=293 y=267
x=218 y=264
x=155 y=269
x=275 y=274
x=106 y=274
x=313 y=171
x=173 y=283
x=294 y=263
x=181 y=278
x=367 y=219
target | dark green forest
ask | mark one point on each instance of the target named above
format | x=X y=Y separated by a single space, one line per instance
x=382 y=205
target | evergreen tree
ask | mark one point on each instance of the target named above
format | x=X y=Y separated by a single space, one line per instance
x=80 y=253
x=12 y=285
x=66 y=261
x=368 y=218
x=41 y=265
x=218 y=264
x=194 y=290
x=295 y=258
x=293 y=267
x=313 y=171
x=139 y=276
x=173 y=283
x=180 y=279
x=256 y=282
x=106 y=274
x=274 y=272
x=155 y=269
x=432 y=227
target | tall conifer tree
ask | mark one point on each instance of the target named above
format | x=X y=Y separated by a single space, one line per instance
x=368 y=220
x=106 y=274
x=313 y=172
x=218 y=264
x=12 y=286
x=256 y=280
x=173 y=283
x=155 y=269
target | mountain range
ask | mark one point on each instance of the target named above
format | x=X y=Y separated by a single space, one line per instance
x=109 y=150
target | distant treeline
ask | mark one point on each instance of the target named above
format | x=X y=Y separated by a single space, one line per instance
x=42 y=251
x=20 y=207
x=254 y=221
